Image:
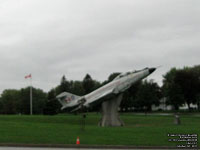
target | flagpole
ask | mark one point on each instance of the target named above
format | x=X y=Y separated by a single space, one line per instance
x=31 y=105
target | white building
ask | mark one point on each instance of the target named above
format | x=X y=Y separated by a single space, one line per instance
x=163 y=106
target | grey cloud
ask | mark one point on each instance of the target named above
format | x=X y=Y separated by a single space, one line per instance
x=50 y=38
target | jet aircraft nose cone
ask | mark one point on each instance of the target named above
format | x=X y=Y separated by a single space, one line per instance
x=151 y=70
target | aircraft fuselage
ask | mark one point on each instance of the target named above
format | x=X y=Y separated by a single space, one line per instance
x=121 y=83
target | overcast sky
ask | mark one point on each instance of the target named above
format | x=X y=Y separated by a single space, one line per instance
x=51 y=38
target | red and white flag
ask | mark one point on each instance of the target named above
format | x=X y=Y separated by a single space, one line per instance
x=28 y=76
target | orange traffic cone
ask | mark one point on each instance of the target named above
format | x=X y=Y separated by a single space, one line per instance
x=77 y=141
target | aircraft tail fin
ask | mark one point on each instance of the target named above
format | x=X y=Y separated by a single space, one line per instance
x=65 y=98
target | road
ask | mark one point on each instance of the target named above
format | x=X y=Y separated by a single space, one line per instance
x=28 y=148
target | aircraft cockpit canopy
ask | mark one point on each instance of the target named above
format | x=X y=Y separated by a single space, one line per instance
x=122 y=75
x=127 y=73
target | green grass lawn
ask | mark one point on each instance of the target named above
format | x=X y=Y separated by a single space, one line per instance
x=139 y=130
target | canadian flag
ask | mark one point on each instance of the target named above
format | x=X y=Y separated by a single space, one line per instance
x=28 y=76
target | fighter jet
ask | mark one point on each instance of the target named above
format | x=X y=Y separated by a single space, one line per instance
x=117 y=86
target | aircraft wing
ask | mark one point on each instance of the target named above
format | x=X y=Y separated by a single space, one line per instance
x=94 y=100
x=98 y=98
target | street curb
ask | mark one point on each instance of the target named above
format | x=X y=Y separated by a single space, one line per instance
x=88 y=146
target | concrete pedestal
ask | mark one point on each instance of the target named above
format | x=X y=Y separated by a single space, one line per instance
x=110 y=116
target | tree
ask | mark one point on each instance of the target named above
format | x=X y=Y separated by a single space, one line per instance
x=64 y=85
x=52 y=106
x=97 y=84
x=175 y=96
x=187 y=81
x=148 y=94
x=129 y=96
x=196 y=71
x=39 y=100
x=25 y=100
x=77 y=88
x=198 y=101
x=1 y=106
x=111 y=77
x=10 y=101
x=171 y=90
x=18 y=101
x=182 y=86
x=88 y=84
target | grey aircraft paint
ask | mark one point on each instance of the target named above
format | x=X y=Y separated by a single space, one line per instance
x=121 y=83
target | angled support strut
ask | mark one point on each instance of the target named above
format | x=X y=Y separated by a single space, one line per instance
x=110 y=116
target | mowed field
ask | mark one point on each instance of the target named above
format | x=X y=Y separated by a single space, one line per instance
x=139 y=130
